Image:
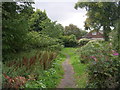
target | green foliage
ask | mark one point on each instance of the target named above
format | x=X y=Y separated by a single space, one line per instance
x=14 y=26
x=104 y=73
x=16 y=32
x=83 y=41
x=116 y=37
x=51 y=29
x=69 y=41
x=73 y=29
x=100 y=14
x=42 y=41
x=87 y=50
x=18 y=20
x=49 y=78
x=41 y=65
x=101 y=64
x=21 y=63
x=36 y=19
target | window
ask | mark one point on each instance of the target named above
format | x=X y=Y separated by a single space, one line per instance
x=94 y=33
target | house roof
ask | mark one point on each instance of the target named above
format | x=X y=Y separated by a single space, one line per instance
x=96 y=30
x=88 y=34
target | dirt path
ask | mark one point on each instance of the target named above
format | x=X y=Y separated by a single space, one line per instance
x=68 y=79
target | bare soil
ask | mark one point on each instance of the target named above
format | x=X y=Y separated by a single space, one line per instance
x=68 y=78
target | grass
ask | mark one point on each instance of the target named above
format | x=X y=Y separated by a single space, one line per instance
x=79 y=68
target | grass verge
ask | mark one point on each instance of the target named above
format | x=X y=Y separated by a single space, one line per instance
x=79 y=68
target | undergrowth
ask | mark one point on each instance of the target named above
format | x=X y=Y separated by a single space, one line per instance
x=42 y=70
x=49 y=78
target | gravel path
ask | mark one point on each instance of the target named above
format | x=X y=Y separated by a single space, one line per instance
x=68 y=79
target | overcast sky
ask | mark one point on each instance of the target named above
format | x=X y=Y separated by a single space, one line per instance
x=63 y=12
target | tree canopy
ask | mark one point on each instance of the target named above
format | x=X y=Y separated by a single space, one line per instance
x=15 y=25
x=73 y=29
x=36 y=19
x=100 y=15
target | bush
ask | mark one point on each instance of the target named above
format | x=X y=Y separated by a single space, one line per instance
x=82 y=42
x=69 y=41
x=103 y=65
x=104 y=73
x=91 y=48
x=36 y=40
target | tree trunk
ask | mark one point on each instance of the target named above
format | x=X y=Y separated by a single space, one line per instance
x=106 y=33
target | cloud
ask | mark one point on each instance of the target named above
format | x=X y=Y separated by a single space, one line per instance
x=63 y=12
x=76 y=19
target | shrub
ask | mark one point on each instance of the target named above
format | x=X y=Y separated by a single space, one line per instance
x=69 y=41
x=37 y=40
x=103 y=64
x=91 y=48
x=83 y=41
x=104 y=73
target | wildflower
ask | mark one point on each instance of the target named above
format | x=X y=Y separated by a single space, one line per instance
x=115 y=54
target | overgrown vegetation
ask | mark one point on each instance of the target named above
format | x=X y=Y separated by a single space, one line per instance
x=42 y=70
x=49 y=78
x=102 y=62
x=31 y=45
x=102 y=57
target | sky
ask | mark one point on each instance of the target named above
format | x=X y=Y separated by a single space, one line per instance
x=63 y=12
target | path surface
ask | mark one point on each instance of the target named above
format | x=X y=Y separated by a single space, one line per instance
x=68 y=79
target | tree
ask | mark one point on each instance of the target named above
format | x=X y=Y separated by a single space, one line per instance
x=36 y=19
x=26 y=9
x=100 y=14
x=14 y=26
x=73 y=29
x=51 y=28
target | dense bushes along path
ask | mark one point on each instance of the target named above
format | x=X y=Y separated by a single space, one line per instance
x=70 y=76
x=68 y=80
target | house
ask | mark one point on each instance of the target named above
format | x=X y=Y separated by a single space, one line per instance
x=94 y=34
